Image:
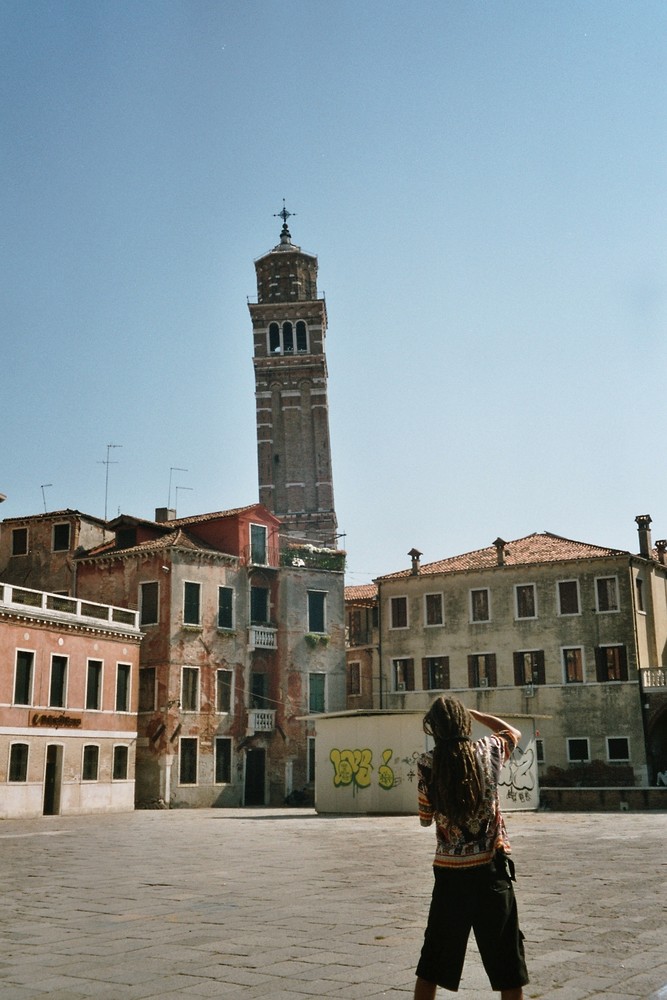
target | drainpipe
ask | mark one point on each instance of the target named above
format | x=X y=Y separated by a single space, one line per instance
x=381 y=692
x=642 y=696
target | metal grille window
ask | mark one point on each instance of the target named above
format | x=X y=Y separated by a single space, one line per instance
x=18 y=762
x=191 y=603
x=120 y=763
x=91 y=761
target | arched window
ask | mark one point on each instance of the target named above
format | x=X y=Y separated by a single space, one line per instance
x=301 y=338
x=288 y=339
x=274 y=339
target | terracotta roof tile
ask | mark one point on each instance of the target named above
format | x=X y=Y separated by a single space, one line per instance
x=541 y=547
x=172 y=540
x=367 y=592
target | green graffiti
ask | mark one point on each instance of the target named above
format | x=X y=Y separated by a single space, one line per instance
x=353 y=767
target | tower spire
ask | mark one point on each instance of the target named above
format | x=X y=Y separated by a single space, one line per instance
x=285 y=235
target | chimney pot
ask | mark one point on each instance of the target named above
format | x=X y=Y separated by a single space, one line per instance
x=500 y=544
x=415 y=556
x=644 y=529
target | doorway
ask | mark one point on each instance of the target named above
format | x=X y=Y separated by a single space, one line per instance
x=53 y=779
x=255 y=777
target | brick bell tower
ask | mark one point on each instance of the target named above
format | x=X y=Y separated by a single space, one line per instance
x=293 y=449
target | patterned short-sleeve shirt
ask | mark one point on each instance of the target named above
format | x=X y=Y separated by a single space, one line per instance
x=477 y=842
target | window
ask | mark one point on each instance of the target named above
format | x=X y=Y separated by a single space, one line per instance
x=404 y=675
x=618 y=748
x=58 y=681
x=225 y=607
x=223 y=690
x=190 y=689
x=529 y=667
x=94 y=685
x=18 y=762
x=19 y=541
x=317 y=611
x=539 y=750
x=433 y=609
x=358 y=627
x=148 y=604
x=316 y=692
x=568 y=597
x=435 y=673
x=288 y=338
x=259 y=606
x=259 y=691
x=479 y=606
x=399 y=612
x=354 y=678
x=123 y=671
x=223 y=760
x=611 y=663
x=188 y=761
x=482 y=670
x=526 y=603
x=605 y=588
x=258 y=544
x=573 y=663
x=578 y=751
x=147 y=689
x=639 y=585
x=23 y=677
x=91 y=762
x=274 y=338
x=301 y=337
x=61 y=537
x=191 y=600
x=120 y=763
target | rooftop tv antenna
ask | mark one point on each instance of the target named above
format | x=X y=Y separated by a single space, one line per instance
x=108 y=462
x=43 y=487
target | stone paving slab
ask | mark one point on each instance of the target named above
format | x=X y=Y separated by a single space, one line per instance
x=282 y=903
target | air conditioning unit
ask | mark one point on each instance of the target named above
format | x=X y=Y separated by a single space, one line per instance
x=484 y=682
x=529 y=690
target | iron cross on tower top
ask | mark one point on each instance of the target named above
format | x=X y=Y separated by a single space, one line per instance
x=283 y=214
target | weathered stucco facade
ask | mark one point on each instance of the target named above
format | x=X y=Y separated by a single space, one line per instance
x=574 y=635
x=68 y=704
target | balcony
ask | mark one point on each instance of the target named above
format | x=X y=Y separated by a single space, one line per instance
x=262 y=637
x=654 y=678
x=59 y=608
x=261 y=720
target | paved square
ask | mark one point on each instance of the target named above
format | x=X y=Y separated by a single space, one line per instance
x=283 y=903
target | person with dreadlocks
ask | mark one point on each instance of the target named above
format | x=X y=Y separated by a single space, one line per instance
x=458 y=789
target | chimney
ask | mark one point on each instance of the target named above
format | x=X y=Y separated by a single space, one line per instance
x=500 y=544
x=661 y=545
x=414 y=555
x=644 y=529
x=163 y=514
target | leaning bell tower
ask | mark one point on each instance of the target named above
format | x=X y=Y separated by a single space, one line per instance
x=289 y=322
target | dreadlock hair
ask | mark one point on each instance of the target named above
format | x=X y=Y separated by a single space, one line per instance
x=456 y=789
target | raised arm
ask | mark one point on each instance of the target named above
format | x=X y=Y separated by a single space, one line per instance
x=495 y=724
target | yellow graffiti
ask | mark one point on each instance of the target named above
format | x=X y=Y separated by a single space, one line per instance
x=385 y=773
x=353 y=767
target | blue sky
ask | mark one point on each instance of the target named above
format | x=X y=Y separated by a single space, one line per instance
x=484 y=185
